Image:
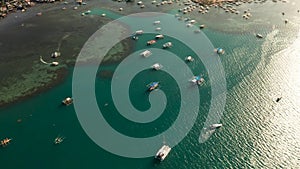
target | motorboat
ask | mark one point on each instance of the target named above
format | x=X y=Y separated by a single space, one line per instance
x=278 y=99
x=146 y=53
x=5 y=142
x=152 y=86
x=156 y=66
x=156 y=22
x=158 y=29
x=54 y=64
x=202 y=26
x=151 y=42
x=215 y=126
x=139 y=32
x=189 y=59
x=220 y=51
x=167 y=45
x=163 y=152
x=58 y=140
x=159 y=36
x=67 y=101
x=259 y=36
x=55 y=54
x=198 y=80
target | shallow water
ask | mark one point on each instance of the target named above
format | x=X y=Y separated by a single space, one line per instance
x=257 y=132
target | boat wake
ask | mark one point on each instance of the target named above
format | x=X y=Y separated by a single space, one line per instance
x=41 y=59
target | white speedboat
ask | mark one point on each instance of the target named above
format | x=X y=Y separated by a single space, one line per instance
x=220 y=51
x=55 y=54
x=67 y=101
x=156 y=66
x=139 y=32
x=156 y=22
x=163 y=152
x=146 y=53
x=54 y=63
x=215 y=126
x=159 y=36
x=189 y=59
x=259 y=36
x=167 y=45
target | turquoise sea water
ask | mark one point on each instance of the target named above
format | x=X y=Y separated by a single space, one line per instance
x=257 y=132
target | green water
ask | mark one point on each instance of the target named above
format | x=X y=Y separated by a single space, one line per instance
x=257 y=132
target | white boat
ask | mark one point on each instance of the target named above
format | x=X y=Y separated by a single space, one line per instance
x=220 y=51
x=156 y=22
x=167 y=45
x=163 y=152
x=159 y=36
x=55 y=54
x=189 y=59
x=215 y=126
x=67 y=101
x=54 y=64
x=139 y=32
x=259 y=36
x=156 y=66
x=158 y=29
x=146 y=53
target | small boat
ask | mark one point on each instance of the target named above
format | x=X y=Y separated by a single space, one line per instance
x=220 y=51
x=167 y=45
x=39 y=14
x=159 y=36
x=139 y=32
x=259 y=36
x=163 y=152
x=151 y=42
x=278 y=99
x=215 y=126
x=156 y=22
x=135 y=37
x=156 y=66
x=158 y=29
x=58 y=140
x=55 y=54
x=67 y=101
x=54 y=64
x=189 y=59
x=5 y=142
x=198 y=80
x=152 y=86
x=202 y=26
x=146 y=53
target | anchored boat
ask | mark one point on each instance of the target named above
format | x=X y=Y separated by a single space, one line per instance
x=5 y=142
x=163 y=152
x=220 y=51
x=167 y=45
x=151 y=42
x=156 y=66
x=152 y=86
x=198 y=80
x=67 y=101
x=146 y=53
x=189 y=59
x=159 y=36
